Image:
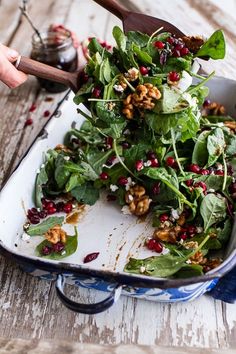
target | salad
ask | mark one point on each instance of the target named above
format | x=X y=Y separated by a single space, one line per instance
x=155 y=144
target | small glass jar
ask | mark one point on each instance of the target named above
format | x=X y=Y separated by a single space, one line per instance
x=55 y=49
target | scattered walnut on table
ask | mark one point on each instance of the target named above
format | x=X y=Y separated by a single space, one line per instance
x=56 y=234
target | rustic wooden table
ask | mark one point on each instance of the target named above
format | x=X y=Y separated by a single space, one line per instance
x=29 y=307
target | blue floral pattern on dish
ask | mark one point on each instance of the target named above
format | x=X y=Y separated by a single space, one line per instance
x=185 y=293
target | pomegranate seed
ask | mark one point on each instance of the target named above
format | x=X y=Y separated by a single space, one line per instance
x=170 y=161
x=109 y=142
x=84 y=77
x=189 y=182
x=67 y=208
x=32 y=212
x=156 y=188
x=184 y=51
x=58 y=247
x=179 y=46
x=46 y=114
x=33 y=108
x=173 y=76
x=154 y=245
x=151 y=155
x=125 y=145
x=206 y=103
x=204 y=172
x=154 y=163
x=171 y=40
x=34 y=219
x=143 y=70
x=139 y=165
x=232 y=188
x=111 y=198
x=60 y=206
x=50 y=205
x=194 y=168
x=176 y=53
x=28 y=121
x=43 y=214
x=159 y=45
x=230 y=170
x=110 y=161
x=163 y=217
x=96 y=92
x=183 y=236
x=219 y=172
x=46 y=250
x=104 y=176
x=201 y=185
x=191 y=229
x=90 y=257
x=51 y=210
x=122 y=181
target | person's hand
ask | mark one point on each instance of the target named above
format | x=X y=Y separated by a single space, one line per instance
x=8 y=73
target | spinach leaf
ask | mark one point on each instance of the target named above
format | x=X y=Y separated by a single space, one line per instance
x=136 y=152
x=86 y=193
x=215 y=145
x=159 y=266
x=74 y=181
x=61 y=174
x=212 y=210
x=224 y=234
x=144 y=57
x=120 y=38
x=70 y=248
x=189 y=271
x=214 y=47
x=214 y=182
x=41 y=180
x=138 y=38
x=200 y=152
x=97 y=159
x=44 y=226
x=83 y=92
x=162 y=175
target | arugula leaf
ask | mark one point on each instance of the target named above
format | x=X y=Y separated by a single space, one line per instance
x=140 y=39
x=214 y=47
x=86 y=193
x=70 y=248
x=212 y=210
x=44 y=226
x=144 y=57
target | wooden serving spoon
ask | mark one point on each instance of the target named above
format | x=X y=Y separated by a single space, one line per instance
x=133 y=21
x=33 y=67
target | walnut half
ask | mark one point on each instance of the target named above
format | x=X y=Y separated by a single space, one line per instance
x=56 y=234
x=137 y=200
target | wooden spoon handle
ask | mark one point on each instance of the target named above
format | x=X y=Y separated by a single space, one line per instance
x=33 y=67
x=114 y=7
